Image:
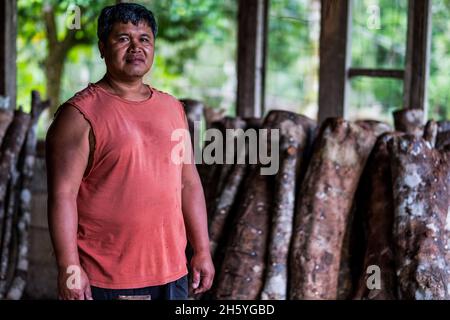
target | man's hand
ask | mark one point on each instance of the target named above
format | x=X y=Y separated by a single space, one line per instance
x=203 y=272
x=73 y=284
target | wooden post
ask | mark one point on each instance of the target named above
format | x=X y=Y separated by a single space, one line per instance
x=252 y=35
x=8 y=32
x=417 y=55
x=335 y=55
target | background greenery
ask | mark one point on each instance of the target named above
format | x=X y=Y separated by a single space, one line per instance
x=196 y=53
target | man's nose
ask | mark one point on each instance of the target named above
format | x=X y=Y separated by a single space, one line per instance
x=134 y=45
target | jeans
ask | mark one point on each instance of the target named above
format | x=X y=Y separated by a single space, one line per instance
x=175 y=290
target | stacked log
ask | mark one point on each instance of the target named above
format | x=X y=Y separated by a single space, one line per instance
x=377 y=215
x=243 y=271
x=325 y=201
x=16 y=171
x=294 y=134
x=421 y=197
x=357 y=210
x=403 y=205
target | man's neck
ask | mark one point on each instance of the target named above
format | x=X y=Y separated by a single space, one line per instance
x=134 y=90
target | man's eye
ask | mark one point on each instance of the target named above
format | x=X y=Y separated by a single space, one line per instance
x=122 y=39
x=145 y=40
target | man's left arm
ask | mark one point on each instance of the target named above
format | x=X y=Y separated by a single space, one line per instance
x=195 y=218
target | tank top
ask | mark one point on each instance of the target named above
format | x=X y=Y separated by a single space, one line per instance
x=131 y=231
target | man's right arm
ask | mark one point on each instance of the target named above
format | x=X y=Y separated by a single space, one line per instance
x=67 y=155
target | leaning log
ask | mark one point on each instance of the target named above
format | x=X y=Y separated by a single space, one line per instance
x=227 y=196
x=377 y=211
x=325 y=200
x=6 y=116
x=294 y=131
x=225 y=169
x=26 y=166
x=443 y=135
x=409 y=121
x=421 y=201
x=241 y=274
x=5 y=249
x=13 y=141
x=194 y=114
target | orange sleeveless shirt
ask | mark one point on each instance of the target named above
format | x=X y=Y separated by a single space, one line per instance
x=131 y=231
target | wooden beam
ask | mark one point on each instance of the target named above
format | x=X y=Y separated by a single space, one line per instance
x=251 y=57
x=377 y=73
x=334 y=54
x=8 y=33
x=417 y=55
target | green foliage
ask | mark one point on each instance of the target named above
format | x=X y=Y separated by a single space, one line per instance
x=196 y=52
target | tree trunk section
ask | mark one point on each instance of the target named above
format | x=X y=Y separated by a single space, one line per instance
x=325 y=201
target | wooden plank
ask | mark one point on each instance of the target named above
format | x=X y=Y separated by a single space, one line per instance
x=334 y=54
x=377 y=73
x=417 y=54
x=252 y=39
x=8 y=32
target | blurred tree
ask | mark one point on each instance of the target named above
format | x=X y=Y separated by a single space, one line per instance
x=183 y=23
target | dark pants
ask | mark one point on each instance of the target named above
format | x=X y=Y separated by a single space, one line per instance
x=175 y=290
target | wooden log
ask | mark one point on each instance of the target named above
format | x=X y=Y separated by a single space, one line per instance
x=325 y=200
x=421 y=201
x=409 y=121
x=5 y=252
x=352 y=252
x=194 y=114
x=26 y=165
x=224 y=205
x=212 y=115
x=225 y=169
x=443 y=135
x=6 y=116
x=241 y=274
x=13 y=141
x=209 y=174
x=226 y=198
x=377 y=211
x=430 y=132
x=294 y=131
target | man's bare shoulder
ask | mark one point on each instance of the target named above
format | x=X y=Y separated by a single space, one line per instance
x=68 y=122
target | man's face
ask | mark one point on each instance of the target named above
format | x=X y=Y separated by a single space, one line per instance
x=129 y=50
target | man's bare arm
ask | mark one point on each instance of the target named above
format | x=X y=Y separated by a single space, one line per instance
x=67 y=156
x=195 y=217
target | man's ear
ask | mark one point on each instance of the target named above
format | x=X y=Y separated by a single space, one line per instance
x=101 y=48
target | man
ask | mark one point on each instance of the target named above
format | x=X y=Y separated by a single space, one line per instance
x=120 y=209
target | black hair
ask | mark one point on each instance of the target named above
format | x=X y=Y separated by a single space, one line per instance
x=124 y=12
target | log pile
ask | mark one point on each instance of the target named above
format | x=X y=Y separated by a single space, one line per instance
x=357 y=210
x=18 y=146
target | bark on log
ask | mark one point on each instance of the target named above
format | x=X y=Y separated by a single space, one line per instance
x=241 y=275
x=430 y=132
x=13 y=141
x=421 y=200
x=225 y=169
x=377 y=213
x=443 y=135
x=209 y=174
x=212 y=115
x=5 y=252
x=352 y=253
x=224 y=204
x=325 y=200
x=227 y=194
x=194 y=114
x=6 y=116
x=26 y=167
x=409 y=121
x=294 y=131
